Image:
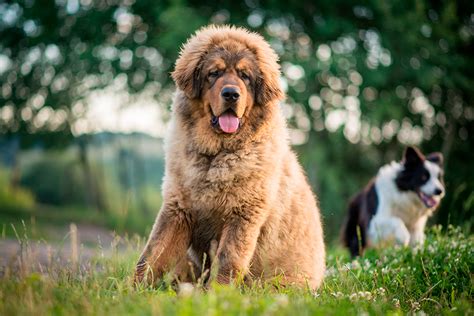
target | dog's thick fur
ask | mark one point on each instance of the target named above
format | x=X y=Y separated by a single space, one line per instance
x=243 y=192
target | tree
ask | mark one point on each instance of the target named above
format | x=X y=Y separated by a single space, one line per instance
x=363 y=79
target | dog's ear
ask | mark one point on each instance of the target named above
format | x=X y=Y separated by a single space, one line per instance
x=187 y=76
x=267 y=85
x=267 y=89
x=435 y=157
x=412 y=156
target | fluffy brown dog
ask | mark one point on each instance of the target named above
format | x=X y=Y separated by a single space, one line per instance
x=231 y=178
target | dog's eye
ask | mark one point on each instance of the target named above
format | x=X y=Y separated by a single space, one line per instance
x=244 y=75
x=214 y=74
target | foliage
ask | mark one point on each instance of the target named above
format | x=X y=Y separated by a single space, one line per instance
x=65 y=184
x=129 y=198
x=363 y=78
x=436 y=279
x=14 y=198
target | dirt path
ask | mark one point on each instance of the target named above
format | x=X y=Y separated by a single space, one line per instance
x=78 y=245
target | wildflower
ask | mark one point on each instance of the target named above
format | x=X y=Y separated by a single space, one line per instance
x=366 y=264
x=362 y=295
x=337 y=294
x=415 y=306
x=353 y=297
x=225 y=305
x=396 y=302
x=355 y=265
x=431 y=249
x=365 y=295
x=381 y=291
x=330 y=272
x=454 y=244
x=185 y=289
x=345 y=267
x=245 y=302
x=282 y=299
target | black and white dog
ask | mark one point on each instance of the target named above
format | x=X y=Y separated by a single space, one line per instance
x=396 y=204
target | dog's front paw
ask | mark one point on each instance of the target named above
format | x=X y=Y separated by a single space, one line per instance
x=140 y=272
x=417 y=240
x=402 y=236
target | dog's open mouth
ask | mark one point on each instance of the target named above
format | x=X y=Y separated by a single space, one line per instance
x=228 y=122
x=428 y=200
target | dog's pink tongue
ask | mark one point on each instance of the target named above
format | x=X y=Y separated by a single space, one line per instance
x=428 y=200
x=229 y=123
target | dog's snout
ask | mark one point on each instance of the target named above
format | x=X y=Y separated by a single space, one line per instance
x=438 y=191
x=230 y=94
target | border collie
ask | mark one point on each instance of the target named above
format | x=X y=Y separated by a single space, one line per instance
x=396 y=204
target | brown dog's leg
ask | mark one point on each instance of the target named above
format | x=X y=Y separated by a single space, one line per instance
x=166 y=246
x=237 y=246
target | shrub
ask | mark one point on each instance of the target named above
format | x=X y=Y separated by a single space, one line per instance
x=14 y=198
x=55 y=179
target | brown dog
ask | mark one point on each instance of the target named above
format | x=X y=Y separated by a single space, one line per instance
x=230 y=175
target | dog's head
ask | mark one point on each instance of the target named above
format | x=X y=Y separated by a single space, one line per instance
x=422 y=175
x=225 y=72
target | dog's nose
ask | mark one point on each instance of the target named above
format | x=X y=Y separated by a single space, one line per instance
x=230 y=94
x=438 y=191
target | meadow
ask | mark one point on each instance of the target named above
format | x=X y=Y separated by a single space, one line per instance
x=85 y=95
x=434 y=279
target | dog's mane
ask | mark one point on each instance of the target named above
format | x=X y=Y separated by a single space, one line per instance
x=196 y=48
x=264 y=117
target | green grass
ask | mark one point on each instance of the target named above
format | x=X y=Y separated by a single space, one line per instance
x=436 y=279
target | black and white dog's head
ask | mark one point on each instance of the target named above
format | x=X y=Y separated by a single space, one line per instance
x=423 y=176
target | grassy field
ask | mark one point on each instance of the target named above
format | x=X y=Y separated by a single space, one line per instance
x=436 y=279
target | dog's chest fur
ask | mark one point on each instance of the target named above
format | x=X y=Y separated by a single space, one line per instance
x=221 y=186
x=393 y=202
x=224 y=181
x=217 y=184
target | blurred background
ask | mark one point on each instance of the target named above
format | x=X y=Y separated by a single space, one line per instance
x=85 y=93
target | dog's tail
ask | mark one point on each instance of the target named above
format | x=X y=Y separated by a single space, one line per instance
x=352 y=232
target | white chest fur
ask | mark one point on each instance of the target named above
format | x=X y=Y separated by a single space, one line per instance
x=400 y=215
